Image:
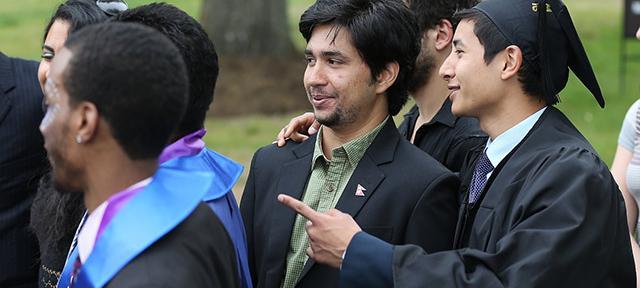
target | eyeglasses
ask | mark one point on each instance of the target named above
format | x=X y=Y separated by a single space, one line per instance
x=112 y=7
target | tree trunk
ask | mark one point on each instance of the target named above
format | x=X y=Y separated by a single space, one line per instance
x=248 y=27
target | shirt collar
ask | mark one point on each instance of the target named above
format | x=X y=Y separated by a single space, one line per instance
x=88 y=232
x=443 y=116
x=90 y=227
x=353 y=149
x=500 y=147
x=413 y=113
x=188 y=145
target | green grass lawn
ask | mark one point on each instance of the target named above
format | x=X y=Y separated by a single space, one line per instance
x=239 y=137
x=22 y=23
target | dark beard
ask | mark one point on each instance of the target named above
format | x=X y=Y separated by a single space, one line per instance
x=425 y=64
x=55 y=217
x=339 y=117
x=333 y=119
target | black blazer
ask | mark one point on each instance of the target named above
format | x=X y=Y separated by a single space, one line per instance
x=410 y=198
x=22 y=163
x=197 y=253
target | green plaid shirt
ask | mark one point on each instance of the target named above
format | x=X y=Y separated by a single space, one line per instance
x=328 y=179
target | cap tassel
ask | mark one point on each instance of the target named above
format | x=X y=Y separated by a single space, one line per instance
x=545 y=67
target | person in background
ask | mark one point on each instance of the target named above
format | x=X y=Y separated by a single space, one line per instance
x=626 y=171
x=55 y=216
x=187 y=151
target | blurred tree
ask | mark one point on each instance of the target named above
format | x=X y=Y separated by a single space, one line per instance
x=248 y=27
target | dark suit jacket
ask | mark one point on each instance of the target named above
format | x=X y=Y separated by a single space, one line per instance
x=22 y=162
x=197 y=253
x=410 y=198
x=550 y=215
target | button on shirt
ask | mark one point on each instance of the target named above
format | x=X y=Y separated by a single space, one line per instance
x=328 y=179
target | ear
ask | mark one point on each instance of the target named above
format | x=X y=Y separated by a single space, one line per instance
x=512 y=61
x=387 y=77
x=85 y=121
x=444 y=34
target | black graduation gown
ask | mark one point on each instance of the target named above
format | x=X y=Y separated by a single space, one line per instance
x=551 y=215
x=197 y=253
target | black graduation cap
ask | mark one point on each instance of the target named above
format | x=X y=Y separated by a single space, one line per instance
x=545 y=33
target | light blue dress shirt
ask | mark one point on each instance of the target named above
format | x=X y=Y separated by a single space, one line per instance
x=500 y=147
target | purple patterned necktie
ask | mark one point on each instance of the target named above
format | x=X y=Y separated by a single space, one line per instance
x=483 y=167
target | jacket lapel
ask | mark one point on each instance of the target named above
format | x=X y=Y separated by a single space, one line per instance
x=7 y=83
x=367 y=174
x=465 y=179
x=293 y=179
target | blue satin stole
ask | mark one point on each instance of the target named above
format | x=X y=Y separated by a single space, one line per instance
x=220 y=199
x=156 y=210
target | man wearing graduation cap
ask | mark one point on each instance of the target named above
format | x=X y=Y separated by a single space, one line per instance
x=541 y=208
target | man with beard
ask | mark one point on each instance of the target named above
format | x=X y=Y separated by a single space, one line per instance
x=429 y=125
x=115 y=95
x=358 y=162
